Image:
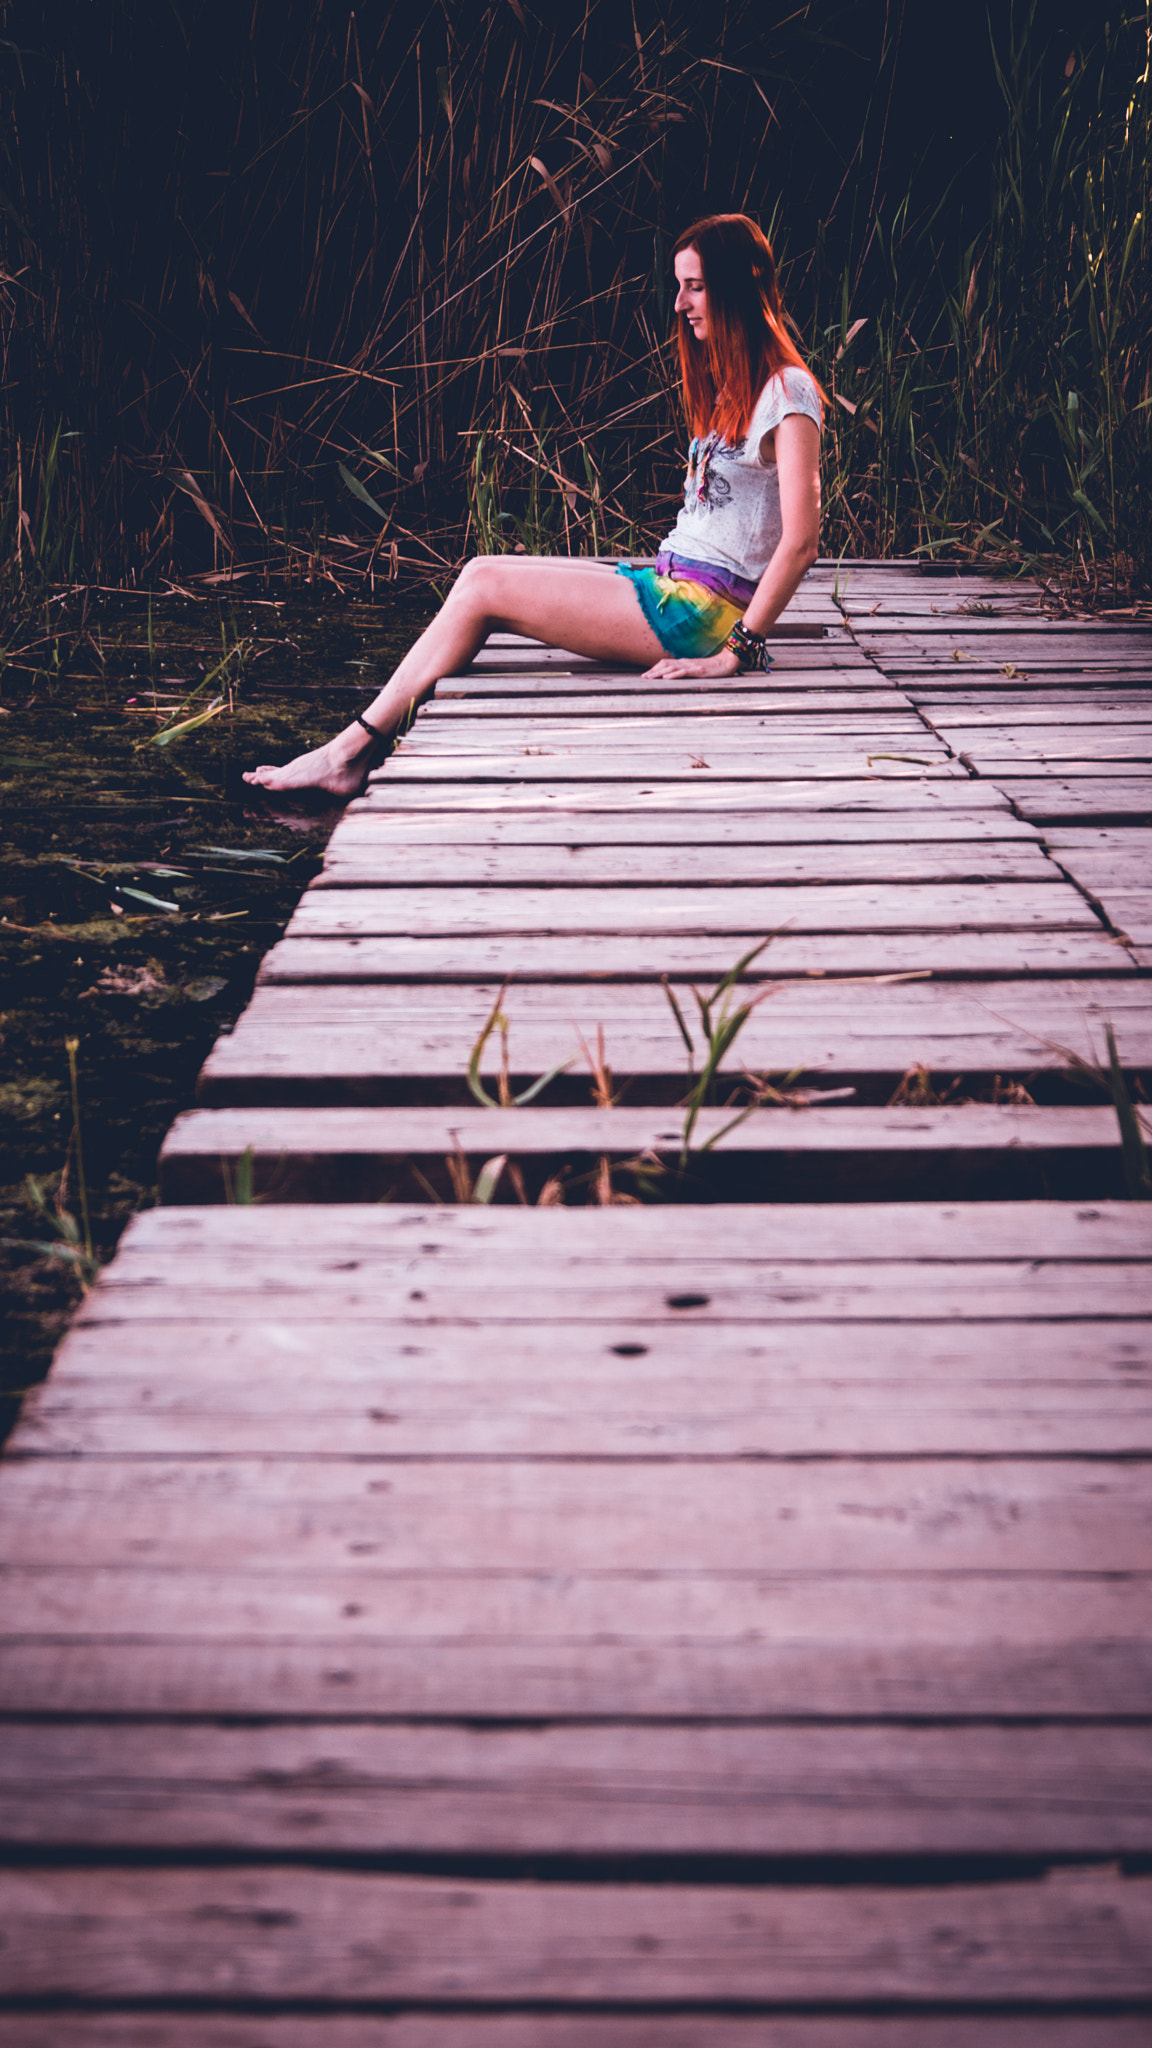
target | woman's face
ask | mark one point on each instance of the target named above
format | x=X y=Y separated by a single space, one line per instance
x=690 y=296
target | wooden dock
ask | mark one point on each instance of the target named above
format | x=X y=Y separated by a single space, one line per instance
x=712 y=1623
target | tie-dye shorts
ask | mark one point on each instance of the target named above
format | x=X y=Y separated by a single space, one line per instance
x=688 y=619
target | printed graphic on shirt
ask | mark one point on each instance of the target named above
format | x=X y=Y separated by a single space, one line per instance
x=704 y=490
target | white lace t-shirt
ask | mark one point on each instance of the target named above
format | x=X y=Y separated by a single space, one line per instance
x=731 y=511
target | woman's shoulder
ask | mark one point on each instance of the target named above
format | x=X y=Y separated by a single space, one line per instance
x=789 y=389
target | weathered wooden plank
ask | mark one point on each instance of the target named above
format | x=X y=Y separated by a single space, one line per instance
x=318 y=1155
x=581 y=958
x=875 y=792
x=354 y=862
x=600 y=1391
x=890 y=616
x=887 y=630
x=353 y=903
x=1107 y=871
x=1055 y=799
x=1043 y=682
x=1014 y=712
x=1116 y=839
x=805 y=644
x=771 y=763
x=158 y=1239
x=966 y=860
x=834 y=1417
x=425 y=1134
x=393 y=1789
x=361 y=1517
x=845 y=703
x=1067 y=749
x=989 y=821
x=455 y=727
x=892 y=1418
x=1019 y=671
x=300 y=1043
x=1107 y=1362
x=902 y=598
x=796 y=668
x=1070 y=766
x=780 y=1293
x=343 y=1938
x=738 y=1646
x=190 y=2029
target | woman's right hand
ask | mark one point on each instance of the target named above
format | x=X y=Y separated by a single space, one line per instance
x=673 y=668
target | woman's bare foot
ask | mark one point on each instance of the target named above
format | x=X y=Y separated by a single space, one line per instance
x=340 y=767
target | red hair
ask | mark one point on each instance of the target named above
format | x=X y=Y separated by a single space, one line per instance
x=747 y=341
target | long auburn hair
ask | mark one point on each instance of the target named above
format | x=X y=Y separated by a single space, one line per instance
x=747 y=341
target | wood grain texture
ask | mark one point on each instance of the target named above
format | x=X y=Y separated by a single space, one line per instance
x=920 y=790
x=835 y=700
x=399 y=1133
x=803 y=1405
x=846 y=761
x=453 y=907
x=506 y=2029
x=659 y=720
x=989 y=821
x=713 y=2029
x=355 y=860
x=580 y=957
x=392 y=1789
x=282 y=1935
x=536 y=1645
x=1062 y=711
x=728 y=1518
x=1059 y=799
x=157 y=1241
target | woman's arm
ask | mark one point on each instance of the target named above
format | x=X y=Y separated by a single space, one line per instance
x=797 y=447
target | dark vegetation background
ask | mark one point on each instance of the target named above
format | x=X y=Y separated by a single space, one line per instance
x=322 y=290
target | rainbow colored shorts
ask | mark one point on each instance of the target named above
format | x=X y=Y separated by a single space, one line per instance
x=689 y=620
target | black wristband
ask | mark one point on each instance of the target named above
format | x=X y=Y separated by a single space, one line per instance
x=750 y=649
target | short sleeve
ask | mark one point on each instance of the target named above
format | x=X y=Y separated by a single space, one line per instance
x=791 y=390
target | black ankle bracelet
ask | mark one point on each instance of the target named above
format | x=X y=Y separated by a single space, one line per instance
x=373 y=729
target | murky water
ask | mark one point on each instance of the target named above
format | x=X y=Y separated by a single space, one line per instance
x=140 y=886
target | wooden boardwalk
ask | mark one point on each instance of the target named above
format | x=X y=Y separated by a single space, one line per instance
x=718 y=1624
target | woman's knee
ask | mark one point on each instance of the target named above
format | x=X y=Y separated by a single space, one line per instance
x=475 y=579
x=482 y=585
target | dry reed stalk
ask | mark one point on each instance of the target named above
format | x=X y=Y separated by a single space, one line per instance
x=376 y=244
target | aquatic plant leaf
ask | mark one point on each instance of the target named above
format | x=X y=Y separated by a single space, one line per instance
x=488 y=1178
x=358 y=491
x=142 y=896
x=252 y=853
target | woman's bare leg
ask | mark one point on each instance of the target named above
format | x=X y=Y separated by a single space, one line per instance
x=581 y=606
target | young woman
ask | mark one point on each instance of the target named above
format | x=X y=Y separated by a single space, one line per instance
x=746 y=533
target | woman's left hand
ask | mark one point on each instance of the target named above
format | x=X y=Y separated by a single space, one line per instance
x=670 y=669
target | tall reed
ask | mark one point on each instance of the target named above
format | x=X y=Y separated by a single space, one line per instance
x=355 y=292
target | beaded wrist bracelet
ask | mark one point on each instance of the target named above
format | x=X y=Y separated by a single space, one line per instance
x=750 y=649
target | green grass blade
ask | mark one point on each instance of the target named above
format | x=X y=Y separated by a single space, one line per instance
x=1137 y=1177
x=488 y=1178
